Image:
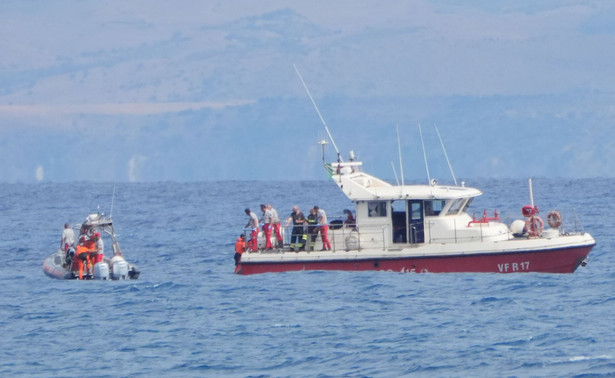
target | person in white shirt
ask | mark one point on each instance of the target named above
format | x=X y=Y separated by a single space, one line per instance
x=267 y=222
x=253 y=225
x=323 y=228
x=99 y=250
x=276 y=225
x=68 y=238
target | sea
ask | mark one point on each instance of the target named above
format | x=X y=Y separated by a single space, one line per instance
x=189 y=315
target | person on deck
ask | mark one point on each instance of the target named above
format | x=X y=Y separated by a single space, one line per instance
x=83 y=252
x=68 y=238
x=276 y=226
x=297 y=240
x=253 y=226
x=90 y=244
x=240 y=248
x=350 y=222
x=323 y=228
x=98 y=253
x=312 y=229
x=267 y=222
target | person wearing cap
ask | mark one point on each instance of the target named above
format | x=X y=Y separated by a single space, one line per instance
x=240 y=248
x=253 y=226
x=98 y=253
x=323 y=228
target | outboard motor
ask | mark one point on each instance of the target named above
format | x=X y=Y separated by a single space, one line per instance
x=101 y=271
x=119 y=268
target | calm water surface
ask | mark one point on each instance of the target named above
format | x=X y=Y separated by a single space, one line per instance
x=189 y=315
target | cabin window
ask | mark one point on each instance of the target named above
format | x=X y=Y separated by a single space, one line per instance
x=433 y=207
x=465 y=207
x=456 y=206
x=377 y=209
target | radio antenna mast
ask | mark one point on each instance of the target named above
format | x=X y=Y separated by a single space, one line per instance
x=394 y=173
x=445 y=154
x=401 y=166
x=424 y=155
x=112 y=199
x=339 y=158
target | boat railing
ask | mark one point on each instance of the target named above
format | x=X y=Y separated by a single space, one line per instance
x=351 y=238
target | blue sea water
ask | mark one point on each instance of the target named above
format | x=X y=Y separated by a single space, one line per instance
x=189 y=315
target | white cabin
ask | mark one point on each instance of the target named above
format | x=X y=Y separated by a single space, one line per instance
x=401 y=216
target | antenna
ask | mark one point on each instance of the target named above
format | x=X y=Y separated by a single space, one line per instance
x=445 y=154
x=320 y=115
x=424 y=154
x=401 y=167
x=395 y=173
x=323 y=142
x=112 y=199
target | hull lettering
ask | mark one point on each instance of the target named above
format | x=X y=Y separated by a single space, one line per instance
x=522 y=266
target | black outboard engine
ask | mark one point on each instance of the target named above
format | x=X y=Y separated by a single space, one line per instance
x=133 y=273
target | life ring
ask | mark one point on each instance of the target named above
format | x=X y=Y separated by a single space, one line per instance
x=534 y=226
x=554 y=219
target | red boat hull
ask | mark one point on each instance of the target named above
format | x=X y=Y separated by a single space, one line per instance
x=561 y=260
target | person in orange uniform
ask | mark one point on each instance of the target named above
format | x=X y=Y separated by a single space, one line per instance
x=240 y=248
x=82 y=251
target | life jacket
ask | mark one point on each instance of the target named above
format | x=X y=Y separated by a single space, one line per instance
x=81 y=249
x=89 y=244
x=240 y=245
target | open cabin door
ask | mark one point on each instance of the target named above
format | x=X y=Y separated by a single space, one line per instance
x=408 y=223
x=416 y=229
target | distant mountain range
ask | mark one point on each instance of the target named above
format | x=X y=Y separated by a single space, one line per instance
x=128 y=94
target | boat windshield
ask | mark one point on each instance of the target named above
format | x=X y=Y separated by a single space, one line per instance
x=456 y=206
x=433 y=207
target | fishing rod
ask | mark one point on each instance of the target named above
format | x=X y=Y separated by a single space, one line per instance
x=339 y=158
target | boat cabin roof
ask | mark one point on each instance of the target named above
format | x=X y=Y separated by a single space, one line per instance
x=360 y=186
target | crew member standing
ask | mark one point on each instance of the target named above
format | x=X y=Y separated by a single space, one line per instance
x=253 y=226
x=276 y=225
x=99 y=249
x=68 y=238
x=323 y=228
x=312 y=229
x=83 y=252
x=267 y=222
x=296 y=237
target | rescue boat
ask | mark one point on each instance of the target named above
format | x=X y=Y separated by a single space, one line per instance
x=427 y=228
x=61 y=264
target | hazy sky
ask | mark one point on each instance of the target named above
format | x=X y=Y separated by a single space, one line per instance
x=204 y=90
